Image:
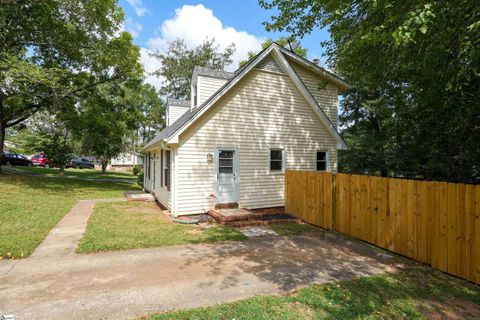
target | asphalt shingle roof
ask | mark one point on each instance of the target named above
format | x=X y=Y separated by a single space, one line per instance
x=178 y=102
x=203 y=71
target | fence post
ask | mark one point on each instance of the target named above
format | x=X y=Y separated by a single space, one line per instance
x=334 y=201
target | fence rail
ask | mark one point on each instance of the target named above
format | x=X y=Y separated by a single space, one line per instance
x=437 y=223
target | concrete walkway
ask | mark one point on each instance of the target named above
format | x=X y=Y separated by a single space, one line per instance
x=63 y=239
x=55 y=283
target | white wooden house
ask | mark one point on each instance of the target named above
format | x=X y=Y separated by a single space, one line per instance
x=233 y=141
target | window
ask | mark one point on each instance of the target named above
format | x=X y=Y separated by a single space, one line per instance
x=154 y=170
x=225 y=161
x=148 y=165
x=161 y=168
x=276 y=160
x=194 y=95
x=322 y=161
x=166 y=170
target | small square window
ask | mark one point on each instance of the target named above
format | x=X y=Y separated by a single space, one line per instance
x=322 y=161
x=276 y=160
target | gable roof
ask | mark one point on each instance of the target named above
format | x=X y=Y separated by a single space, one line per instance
x=171 y=133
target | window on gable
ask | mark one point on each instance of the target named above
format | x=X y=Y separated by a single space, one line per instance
x=322 y=161
x=276 y=160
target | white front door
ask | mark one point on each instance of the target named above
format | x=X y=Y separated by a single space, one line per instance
x=227 y=177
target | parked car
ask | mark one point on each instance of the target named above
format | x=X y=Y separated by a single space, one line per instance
x=80 y=163
x=41 y=160
x=15 y=159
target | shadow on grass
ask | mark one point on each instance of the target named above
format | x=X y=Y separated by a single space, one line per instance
x=407 y=294
x=413 y=293
x=55 y=184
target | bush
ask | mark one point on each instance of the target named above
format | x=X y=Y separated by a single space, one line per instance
x=140 y=177
x=136 y=169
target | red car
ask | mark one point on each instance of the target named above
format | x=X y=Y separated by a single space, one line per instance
x=41 y=160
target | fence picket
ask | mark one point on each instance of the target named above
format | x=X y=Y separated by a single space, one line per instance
x=436 y=223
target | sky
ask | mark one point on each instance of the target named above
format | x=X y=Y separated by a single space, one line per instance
x=155 y=22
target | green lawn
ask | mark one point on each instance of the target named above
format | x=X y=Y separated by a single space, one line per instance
x=79 y=173
x=129 y=225
x=30 y=206
x=416 y=293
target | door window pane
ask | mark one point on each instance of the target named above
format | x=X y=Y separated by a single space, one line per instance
x=226 y=154
x=225 y=169
x=226 y=162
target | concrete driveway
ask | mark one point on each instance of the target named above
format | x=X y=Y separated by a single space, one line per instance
x=128 y=284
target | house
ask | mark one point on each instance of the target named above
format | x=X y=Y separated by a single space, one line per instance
x=126 y=160
x=230 y=145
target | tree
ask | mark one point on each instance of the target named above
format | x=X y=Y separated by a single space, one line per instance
x=178 y=63
x=52 y=50
x=50 y=134
x=415 y=67
x=152 y=113
x=284 y=42
x=109 y=116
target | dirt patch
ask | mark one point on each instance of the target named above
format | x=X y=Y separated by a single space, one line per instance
x=451 y=309
x=303 y=310
x=144 y=208
x=195 y=231
x=314 y=234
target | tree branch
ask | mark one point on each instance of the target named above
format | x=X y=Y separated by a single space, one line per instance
x=21 y=119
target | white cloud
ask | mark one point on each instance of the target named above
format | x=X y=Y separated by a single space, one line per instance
x=138 y=6
x=134 y=28
x=196 y=23
x=150 y=65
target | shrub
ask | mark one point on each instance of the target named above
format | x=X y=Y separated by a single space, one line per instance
x=136 y=169
x=140 y=177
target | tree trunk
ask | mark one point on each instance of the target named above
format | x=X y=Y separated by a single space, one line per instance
x=62 y=169
x=104 y=165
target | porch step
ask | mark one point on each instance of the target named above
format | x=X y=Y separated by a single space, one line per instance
x=228 y=215
x=245 y=217
x=139 y=196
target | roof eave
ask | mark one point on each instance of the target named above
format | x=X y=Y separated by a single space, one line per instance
x=342 y=84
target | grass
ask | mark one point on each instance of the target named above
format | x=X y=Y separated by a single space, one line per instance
x=79 y=173
x=415 y=293
x=293 y=229
x=31 y=205
x=129 y=225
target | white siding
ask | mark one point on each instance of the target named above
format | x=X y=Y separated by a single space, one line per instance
x=326 y=96
x=154 y=184
x=269 y=64
x=206 y=87
x=175 y=112
x=264 y=110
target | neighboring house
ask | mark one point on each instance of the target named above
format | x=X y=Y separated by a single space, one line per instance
x=127 y=160
x=240 y=131
x=9 y=146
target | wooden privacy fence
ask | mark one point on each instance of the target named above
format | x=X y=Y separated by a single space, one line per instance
x=437 y=223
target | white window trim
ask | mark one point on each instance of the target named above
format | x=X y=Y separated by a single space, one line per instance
x=270 y=158
x=164 y=166
x=327 y=160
